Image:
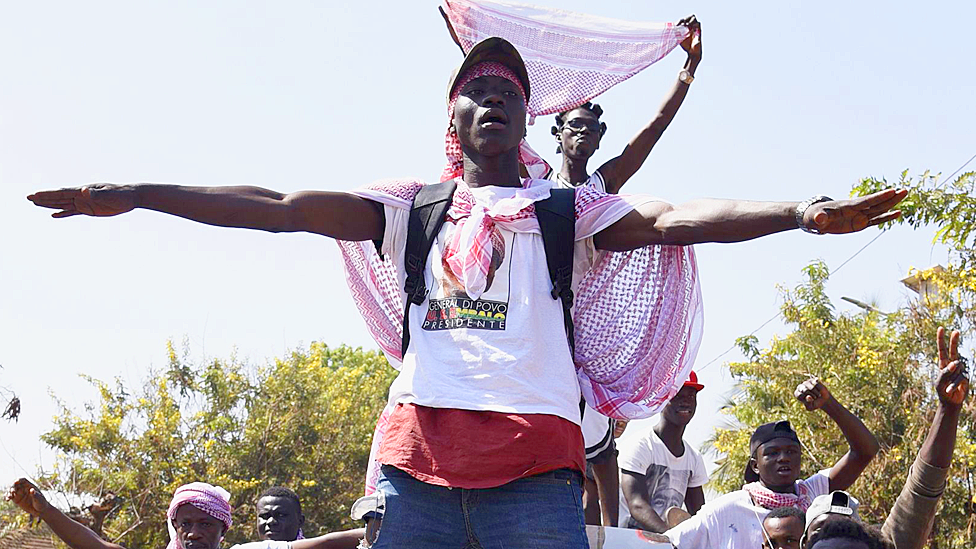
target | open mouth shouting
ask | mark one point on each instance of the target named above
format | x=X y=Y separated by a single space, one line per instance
x=493 y=119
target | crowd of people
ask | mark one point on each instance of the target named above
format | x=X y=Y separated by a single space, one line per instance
x=501 y=425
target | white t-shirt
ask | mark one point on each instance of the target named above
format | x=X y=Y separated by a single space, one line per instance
x=595 y=180
x=506 y=351
x=732 y=521
x=667 y=477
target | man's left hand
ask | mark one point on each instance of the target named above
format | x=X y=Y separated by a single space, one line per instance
x=856 y=214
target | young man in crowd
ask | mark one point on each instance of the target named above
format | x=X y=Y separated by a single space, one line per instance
x=198 y=518
x=783 y=528
x=475 y=449
x=734 y=521
x=659 y=470
x=579 y=131
x=279 y=515
x=280 y=518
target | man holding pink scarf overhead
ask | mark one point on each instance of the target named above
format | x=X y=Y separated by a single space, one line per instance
x=483 y=446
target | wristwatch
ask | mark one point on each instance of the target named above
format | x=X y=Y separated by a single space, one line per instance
x=685 y=76
x=801 y=210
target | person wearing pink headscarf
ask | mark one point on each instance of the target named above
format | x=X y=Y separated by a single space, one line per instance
x=198 y=517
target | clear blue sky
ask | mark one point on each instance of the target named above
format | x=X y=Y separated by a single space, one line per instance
x=792 y=99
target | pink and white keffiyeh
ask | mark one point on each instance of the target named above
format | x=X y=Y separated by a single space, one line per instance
x=469 y=252
x=213 y=500
x=570 y=57
x=768 y=499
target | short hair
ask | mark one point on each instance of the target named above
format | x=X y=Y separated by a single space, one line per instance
x=282 y=492
x=785 y=512
x=846 y=528
x=597 y=111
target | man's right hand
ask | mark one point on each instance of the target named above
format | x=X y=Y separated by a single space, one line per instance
x=953 y=384
x=28 y=497
x=97 y=199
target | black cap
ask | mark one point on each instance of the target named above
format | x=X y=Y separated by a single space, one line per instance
x=763 y=434
x=494 y=49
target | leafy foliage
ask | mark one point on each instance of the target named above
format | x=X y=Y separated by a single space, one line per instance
x=881 y=366
x=304 y=421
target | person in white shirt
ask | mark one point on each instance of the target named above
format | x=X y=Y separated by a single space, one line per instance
x=734 y=521
x=659 y=470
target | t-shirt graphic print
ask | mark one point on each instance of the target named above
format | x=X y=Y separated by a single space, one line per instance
x=449 y=306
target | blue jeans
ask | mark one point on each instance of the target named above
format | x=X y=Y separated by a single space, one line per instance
x=539 y=512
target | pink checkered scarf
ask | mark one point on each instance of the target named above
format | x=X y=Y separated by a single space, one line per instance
x=536 y=166
x=213 y=500
x=766 y=498
x=469 y=252
x=570 y=57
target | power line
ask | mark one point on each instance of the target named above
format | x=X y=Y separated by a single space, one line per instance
x=841 y=266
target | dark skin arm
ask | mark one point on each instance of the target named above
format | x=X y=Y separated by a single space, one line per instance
x=608 y=486
x=335 y=214
x=634 y=486
x=348 y=539
x=694 y=499
x=76 y=535
x=711 y=220
x=863 y=445
x=617 y=171
x=952 y=389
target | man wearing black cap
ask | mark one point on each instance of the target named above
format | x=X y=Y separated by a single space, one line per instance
x=476 y=452
x=772 y=477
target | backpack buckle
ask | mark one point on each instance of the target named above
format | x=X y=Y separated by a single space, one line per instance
x=416 y=289
x=562 y=287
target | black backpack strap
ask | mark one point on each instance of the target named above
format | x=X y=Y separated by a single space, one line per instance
x=557 y=221
x=427 y=213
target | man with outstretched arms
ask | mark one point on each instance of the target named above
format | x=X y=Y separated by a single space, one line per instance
x=484 y=437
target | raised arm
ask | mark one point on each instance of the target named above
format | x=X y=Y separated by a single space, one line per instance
x=26 y=496
x=863 y=445
x=910 y=520
x=634 y=487
x=712 y=220
x=336 y=214
x=617 y=171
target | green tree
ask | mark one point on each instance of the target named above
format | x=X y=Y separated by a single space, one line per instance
x=882 y=366
x=304 y=421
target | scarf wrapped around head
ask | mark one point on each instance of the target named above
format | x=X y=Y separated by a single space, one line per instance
x=534 y=163
x=213 y=500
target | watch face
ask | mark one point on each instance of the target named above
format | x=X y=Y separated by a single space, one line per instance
x=684 y=76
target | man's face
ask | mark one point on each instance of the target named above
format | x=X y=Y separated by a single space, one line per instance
x=197 y=529
x=778 y=462
x=278 y=519
x=681 y=408
x=489 y=116
x=784 y=532
x=580 y=135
